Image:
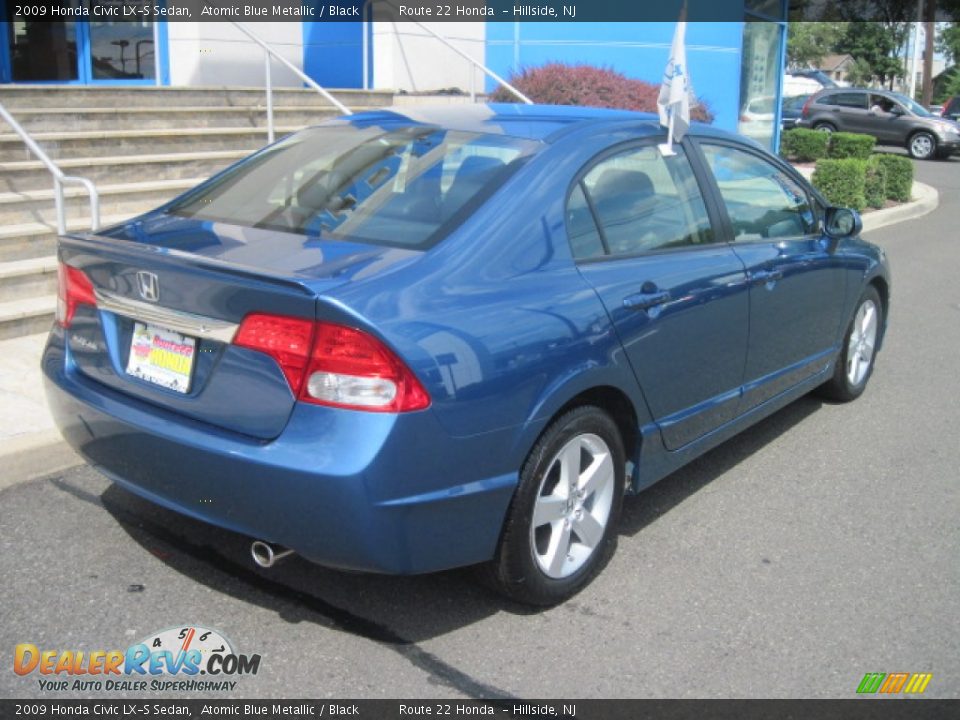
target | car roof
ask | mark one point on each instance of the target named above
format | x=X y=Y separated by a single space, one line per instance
x=545 y=123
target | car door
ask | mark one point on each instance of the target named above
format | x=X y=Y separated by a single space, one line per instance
x=886 y=120
x=643 y=238
x=797 y=284
x=850 y=112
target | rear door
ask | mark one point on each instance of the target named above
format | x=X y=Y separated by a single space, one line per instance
x=851 y=113
x=796 y=284
x=643 y=238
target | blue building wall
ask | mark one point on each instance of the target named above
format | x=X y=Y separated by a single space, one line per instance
x=333 y=51
x=638 y=50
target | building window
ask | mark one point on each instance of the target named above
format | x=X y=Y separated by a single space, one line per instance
x=759 y=81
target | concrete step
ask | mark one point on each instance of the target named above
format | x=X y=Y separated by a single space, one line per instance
x=26 y=316
x=34 y=277
x=58 y=96
x=124 y=199
x=36 y=120
x=94 y=143
x=23 y=175
x=38 y=239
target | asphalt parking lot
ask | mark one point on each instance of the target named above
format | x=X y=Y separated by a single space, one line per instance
x=820 y=545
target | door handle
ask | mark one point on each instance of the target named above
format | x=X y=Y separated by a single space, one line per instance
x=646 y=300
x=762 y=277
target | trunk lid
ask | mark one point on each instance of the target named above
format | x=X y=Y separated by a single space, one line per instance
x=206 y=277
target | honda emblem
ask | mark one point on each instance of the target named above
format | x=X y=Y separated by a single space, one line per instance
x=148 y=285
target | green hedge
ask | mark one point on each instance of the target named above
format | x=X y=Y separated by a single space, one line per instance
x=875 y=183
x=850 y=145
x=842 y=182
x=804 y=145
x=899 y=171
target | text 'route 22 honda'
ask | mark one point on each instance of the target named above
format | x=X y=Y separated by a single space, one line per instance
x=404 y=342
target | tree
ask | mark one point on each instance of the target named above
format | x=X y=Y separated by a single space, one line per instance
x=808 y=42
x=878 y=45
x=860 y=73
x=949 y=42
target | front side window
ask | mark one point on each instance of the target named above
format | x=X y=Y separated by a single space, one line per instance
x=641 y=201
x=401 y=187
x=762 y=201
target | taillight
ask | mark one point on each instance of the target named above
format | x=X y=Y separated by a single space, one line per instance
x=285 y=339
x=73 y=288
x=806 y=106
x=329 y=364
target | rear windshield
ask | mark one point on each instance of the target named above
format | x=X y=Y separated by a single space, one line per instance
x=404 y=187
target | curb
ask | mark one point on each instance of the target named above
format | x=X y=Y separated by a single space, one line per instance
x=35 y=455
x=925 y=200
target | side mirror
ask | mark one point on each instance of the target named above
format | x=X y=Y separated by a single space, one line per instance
x=842 y=223
x=897 y=110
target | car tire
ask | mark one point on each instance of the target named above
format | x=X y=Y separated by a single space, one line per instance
x=922 y=145
x=561 y=527
x=857 y=357
x=825 y=127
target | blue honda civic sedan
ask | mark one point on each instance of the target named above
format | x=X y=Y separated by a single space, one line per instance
x=401 y=342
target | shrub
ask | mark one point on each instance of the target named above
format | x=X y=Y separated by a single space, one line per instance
x=842 y=182
x=899 y=172
x=850 y=145
x=560 y=84
x=804 y=145
x=875 y=183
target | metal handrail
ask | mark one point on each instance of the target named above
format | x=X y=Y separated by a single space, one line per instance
x=59 y=178
x=268 y=84
x=476 y=63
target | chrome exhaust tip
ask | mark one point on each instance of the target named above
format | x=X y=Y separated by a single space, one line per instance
x=266 y=555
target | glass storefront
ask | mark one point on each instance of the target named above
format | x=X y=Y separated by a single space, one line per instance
x=760 y=81
x=84 y=50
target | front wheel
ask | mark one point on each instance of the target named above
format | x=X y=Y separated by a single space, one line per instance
x=922 y=146
x=855 y=364
x=561 y=526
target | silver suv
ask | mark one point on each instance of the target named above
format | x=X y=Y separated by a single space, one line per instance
x=893 y=119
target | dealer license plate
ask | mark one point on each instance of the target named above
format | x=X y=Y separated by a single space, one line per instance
x=161 y=356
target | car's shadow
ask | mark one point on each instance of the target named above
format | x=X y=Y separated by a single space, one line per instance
x=398 y=610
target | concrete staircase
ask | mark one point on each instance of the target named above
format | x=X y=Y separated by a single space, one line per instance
x=140 y=146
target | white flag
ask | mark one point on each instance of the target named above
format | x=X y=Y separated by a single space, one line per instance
x=674 y=95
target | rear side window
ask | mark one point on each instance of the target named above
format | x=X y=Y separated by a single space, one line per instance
x=402 y=187
x=641 y=202
x=762 y=201
x=850 y=100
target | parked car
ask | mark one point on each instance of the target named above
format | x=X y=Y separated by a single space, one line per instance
x=819 y=76
x=893 y=119
x=791 y=109
x=756 y=119
x=800 y=85
x=951 y=108
x=400 y=343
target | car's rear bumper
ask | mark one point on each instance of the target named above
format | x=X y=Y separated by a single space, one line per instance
x=363 y=491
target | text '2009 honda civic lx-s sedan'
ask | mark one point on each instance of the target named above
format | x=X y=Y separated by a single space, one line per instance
x=404 y=342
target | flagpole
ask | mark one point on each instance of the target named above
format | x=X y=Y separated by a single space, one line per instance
x=666 y=149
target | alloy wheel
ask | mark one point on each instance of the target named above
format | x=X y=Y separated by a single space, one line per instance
x=573 y=506
x=863 y=339
x=922 y=146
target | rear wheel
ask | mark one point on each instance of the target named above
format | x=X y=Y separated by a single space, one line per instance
x=825 y=127
x=922 y=145
x=561 y=526
x=855 y=364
